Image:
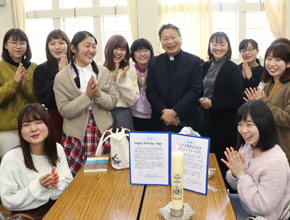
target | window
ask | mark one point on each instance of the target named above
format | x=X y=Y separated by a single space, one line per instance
x=241 y=19
x=227 y=22
x=73 y=25
x=37 y=31
x=117 y=25
x=73 y=16
x=259 y=30
x=75 y=3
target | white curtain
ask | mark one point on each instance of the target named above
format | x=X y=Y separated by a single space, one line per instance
x=191 y=17
x=276 y=16
x=133 y=18
x=19 y=15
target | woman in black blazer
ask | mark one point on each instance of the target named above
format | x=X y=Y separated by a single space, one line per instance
x=222 y=96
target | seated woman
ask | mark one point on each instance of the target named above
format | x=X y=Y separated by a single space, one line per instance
x=251 y=68
x=259 y=170
x=34 y=174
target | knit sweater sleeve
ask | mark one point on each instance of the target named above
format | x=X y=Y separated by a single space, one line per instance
x=281 y=115
x=269 y=175
x=43 y=82
x=65 y=176
x=8 y=86
x=69 y=100
x=28 y=88
x=128 y=87
x=15 y=194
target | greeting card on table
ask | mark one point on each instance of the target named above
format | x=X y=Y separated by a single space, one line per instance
x=150 y=159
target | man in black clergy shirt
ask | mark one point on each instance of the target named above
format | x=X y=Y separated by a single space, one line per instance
x=174 y=84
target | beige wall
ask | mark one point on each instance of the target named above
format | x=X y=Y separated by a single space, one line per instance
x=6 y=20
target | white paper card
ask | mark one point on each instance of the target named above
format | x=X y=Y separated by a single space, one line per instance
x=195 y=169
x=149 y=158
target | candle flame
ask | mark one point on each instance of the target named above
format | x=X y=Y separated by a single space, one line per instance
x=177 y=147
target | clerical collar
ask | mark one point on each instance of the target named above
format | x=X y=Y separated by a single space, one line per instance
x=174 y=58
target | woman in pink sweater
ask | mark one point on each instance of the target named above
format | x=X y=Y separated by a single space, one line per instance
x=259 y=169
x=141 y=51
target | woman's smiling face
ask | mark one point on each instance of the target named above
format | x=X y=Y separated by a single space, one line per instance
x=219 y=48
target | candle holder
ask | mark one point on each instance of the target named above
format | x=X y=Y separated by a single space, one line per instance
x=172 y=214
x=176 y=212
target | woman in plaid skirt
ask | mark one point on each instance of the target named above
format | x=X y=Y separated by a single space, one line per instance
x=85 y=94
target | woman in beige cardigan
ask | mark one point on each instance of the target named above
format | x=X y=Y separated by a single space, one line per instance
x=85 y=94
x=276 y=93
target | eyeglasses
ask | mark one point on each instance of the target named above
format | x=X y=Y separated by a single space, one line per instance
x=16 y=43
x=138 y=52
x=249 y=50
x=166 y=39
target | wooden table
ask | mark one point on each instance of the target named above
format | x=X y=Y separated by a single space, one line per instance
x=110 y=196
x=106 y=195
x=214 y=206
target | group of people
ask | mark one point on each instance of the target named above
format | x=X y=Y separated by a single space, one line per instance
x=45 y=146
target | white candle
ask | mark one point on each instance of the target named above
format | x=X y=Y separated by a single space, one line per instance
x=177 y=179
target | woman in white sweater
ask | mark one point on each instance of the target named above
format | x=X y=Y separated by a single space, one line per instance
x=117 y=56
x=34 y=174
x=259 y=170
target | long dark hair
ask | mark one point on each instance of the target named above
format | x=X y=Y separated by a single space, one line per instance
x=116 y=41
x=218 y=36
x=282 y=51
x=77 y=38
x=36 y=111
x=16 y=34
x=51 y=62
x=263 y=119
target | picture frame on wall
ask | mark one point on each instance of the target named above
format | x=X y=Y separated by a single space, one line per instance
x=2 y=2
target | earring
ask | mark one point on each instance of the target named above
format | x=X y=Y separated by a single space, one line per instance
x=124 y=60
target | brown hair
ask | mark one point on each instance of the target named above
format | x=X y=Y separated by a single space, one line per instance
x=51 y=62
x=116 y=41
x=16 y=34
x=282 y=40
x=282 y=51
x=36 y=111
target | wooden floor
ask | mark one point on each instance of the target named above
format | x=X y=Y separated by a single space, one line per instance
x=5 y=212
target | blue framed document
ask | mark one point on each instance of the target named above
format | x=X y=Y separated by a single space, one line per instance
x=150 y=159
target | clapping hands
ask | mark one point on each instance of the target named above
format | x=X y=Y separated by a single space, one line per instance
x=92 y=88
x=247 y=72
x=50 y=180
x=122 y=75
x=20 y=76
x=63 y=62
x=253 y=94
x=235 y=162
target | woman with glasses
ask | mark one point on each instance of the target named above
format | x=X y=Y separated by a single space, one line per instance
x=141 y=53
x=251 y=68
x=16 y=87
x=117 y=57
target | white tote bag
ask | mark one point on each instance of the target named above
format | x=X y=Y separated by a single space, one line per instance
x=119 y=147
